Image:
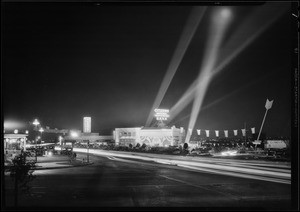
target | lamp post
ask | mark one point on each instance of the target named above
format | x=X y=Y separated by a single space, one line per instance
x=41 y=131
x=88 y=151
x=60 y=142
x=36 y=123
x=75 y=135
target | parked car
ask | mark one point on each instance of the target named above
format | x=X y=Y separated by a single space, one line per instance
x=66 y=151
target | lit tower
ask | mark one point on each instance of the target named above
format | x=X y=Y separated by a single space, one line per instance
x=87 y=124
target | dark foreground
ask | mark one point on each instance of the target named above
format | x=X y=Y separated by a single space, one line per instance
x=120 y=182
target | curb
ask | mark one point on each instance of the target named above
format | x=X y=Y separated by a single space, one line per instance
x=56 y=167
x=62 y=167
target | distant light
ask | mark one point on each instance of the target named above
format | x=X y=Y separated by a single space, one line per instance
x=36 y=122
x=10 y=124
x=228 y=153
x=50 y=153
x=26 y=131
x=41 y=130
x=74 y=134
x=16 y=131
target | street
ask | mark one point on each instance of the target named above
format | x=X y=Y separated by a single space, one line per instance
x=126 y=182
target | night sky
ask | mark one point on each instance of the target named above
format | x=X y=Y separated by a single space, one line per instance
x=61 y=62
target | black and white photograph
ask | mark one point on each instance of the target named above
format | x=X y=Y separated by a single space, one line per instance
x=140 y=105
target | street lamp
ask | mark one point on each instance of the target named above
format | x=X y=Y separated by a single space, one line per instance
x=75 y=134
x=36 y=123
x=60 y=142
x=41 y=130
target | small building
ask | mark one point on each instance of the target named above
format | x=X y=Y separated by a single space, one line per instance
x=85 y=138
x=166 y=136
x=14 y=144
x=275 y=144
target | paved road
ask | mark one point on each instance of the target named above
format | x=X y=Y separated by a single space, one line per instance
x=253 y=169
x=120 y=182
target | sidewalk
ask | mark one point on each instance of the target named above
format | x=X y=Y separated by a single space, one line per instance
x=57 y=162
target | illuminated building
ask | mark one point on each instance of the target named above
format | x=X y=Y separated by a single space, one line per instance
x=164 y=137
x=14 y=144
x=87 y=124
x=151 y=136
x=76 y=136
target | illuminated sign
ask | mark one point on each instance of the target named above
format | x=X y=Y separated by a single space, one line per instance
x=87 y=124
x=161 y=114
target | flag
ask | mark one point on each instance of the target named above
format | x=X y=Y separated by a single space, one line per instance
x=198 y=131
x=253 y=130
x=244 y=132
x=226 y=133
x=207 y=133
x=181 y=129
x=235 y=132
x=217 y=133
x=190 y=131
x=269 y=104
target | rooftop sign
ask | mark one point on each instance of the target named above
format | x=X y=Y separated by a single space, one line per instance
x=161 y=114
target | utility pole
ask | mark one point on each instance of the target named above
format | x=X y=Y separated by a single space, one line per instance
x=245 y=133
x=88 y=150
x=267 y=106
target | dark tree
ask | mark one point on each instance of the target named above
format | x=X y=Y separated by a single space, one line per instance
x=21 y=173
x=185 y=146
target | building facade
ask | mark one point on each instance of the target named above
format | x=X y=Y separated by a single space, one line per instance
x=14 y=144
x=88 y=137
x=163 y=137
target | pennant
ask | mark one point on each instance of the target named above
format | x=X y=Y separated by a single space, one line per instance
x=235 y=132
x=269 y=104
x=217 y=133
x=198 y=131
x=226 y=133
x=244 y=132
x=253 y=130
x=207 y=133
